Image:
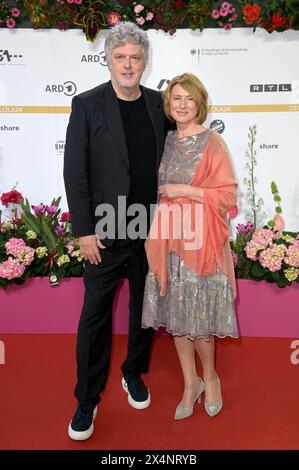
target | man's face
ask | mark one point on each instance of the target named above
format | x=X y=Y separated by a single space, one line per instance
x=126 y=66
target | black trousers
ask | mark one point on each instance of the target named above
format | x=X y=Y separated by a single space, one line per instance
x=126 y=258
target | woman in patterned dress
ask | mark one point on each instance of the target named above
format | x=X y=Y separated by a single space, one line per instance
x=190 y=289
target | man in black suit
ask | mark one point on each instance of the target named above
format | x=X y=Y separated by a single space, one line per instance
x=114 y=144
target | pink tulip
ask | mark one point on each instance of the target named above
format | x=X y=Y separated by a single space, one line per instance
x=279 y=222
x=233 y=212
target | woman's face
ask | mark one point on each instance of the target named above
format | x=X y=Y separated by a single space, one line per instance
x=183 y=108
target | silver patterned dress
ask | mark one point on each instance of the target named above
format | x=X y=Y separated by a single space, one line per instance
x=196 y=306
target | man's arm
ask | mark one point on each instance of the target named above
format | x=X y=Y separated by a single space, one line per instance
x=76 y=171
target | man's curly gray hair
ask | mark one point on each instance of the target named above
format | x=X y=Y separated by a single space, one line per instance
x=123 y=33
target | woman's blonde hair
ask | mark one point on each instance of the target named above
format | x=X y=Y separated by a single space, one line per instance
x=197 y=90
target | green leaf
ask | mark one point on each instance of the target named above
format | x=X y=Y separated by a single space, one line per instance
x=257 y=270
x=31 y=222
x=274 y=188
x=49 y=235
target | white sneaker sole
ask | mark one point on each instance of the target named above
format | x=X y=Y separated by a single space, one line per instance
x=82 y=435
x=138 y=405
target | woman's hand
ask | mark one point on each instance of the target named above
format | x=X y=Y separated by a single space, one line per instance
x=173 y=191
x=176 y=191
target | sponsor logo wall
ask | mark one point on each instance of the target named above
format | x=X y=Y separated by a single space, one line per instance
x=251 y=79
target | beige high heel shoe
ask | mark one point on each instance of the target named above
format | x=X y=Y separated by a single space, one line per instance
x=214 y=408
x=183 y=412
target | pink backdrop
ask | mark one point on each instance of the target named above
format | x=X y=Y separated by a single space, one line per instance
x=262 y=308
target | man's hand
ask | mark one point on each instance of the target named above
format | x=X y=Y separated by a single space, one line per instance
x=89 y=247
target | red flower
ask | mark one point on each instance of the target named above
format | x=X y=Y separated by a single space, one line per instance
x=11 y=197
x=251 y=13
x=17 y=220
x=278 y=20
x=65 y=217
x=179 y=4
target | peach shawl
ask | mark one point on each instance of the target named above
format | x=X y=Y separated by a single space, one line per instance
x=214 y=174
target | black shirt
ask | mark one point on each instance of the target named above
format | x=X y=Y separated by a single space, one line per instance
x=141 y=144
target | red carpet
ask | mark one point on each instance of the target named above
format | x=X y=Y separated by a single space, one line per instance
x=260 y=390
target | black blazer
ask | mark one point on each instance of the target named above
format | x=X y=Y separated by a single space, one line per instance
x=96 y=162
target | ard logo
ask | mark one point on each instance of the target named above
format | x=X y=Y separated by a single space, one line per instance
x=67 y=88
x=95 y=58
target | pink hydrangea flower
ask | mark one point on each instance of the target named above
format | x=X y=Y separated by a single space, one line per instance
x=251 y=249
x=26 y=255
x=226 y=5
x=263 y=237
x=140 y=20
x=269 y=259
x=292 y=256
x=138 y=8
x=228 y=26
x=279 y=250
x=14 y=245
x=11 y=269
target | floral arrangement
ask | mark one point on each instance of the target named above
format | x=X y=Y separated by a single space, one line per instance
x=9 y=15
x=36 y=241
x=225 y=15
x=266 y=253
x=272 y=15
x=93 y=15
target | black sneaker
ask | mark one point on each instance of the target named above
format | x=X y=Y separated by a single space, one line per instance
x=138 y=395
x=81 y=427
